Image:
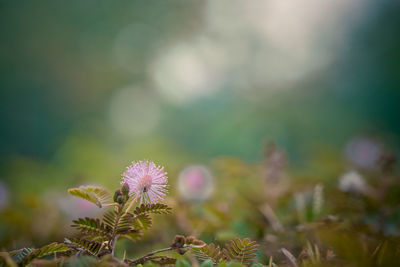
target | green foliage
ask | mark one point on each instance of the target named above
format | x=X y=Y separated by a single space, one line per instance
x=44 y=251
x=18 y=255
x=207 y=263
x=149 y=264
x=95 y=194
x=119 y=222
x=141 y=221
x=182 y=263
x=238 y=250
x=92 y=227
x=84 y=245
x=98 y=237
x=243 y=251
x=158 y=208
x=209 y=252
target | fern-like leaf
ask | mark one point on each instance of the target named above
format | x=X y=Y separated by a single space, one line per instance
x=44 y=251
x=91 y=247
x=18 y=255
x=209 y=252
x=120 y=224
x=109 y=218
x=142 y=221
x=134 y=235
x=95 y=194
x=92 y=227
x=243 y=251
x=158 y=208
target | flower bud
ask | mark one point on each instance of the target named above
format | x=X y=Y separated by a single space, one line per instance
x=118 y=198
x=125 y=191
x=179 y=241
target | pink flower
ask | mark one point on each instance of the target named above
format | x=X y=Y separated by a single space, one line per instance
x=196 y=183
x=147 y=182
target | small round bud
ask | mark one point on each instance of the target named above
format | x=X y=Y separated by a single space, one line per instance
x=179 y=241
x=125 y=189
x=118 y=198
x=125 y=192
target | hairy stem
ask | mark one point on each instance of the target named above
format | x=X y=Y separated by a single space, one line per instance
x=114 y=236
x=141 y=259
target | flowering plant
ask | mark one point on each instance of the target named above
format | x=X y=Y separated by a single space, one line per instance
x=143 y=187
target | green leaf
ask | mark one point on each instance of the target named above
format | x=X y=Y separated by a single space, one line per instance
x=142 y=221
x=95 y=194
x=243 y=251
x=182 y=263
x=109 y=218
x=125 y=225
x=91 y=247
x=92 y=227
x=134 y=236
x=18 y=255
x=209 y=252
x=44 y=251
x=152 y=208
x=207 y=263
x=150 y=264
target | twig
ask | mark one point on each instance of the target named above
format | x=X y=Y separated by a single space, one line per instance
x=139 y=260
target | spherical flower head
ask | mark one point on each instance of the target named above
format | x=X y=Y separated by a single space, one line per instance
x=196 y=183
x=147 y=182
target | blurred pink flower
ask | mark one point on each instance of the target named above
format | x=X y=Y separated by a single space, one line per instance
x=147 y=182
x=196 y=183
x=364 y=152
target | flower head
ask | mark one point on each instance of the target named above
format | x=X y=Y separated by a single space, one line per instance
x=352 y=181
x=147 y=182
x=196 y=183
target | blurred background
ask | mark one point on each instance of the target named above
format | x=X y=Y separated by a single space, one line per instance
x=215 y=91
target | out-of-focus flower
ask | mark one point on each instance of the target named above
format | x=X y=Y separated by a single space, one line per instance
x=196 y=183
x=147 y=182
x=3 y=196
x=352 y=181
x=363 y=152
